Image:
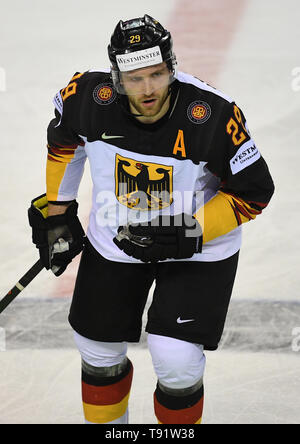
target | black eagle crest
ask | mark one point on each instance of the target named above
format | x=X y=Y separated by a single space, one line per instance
x=141 y=191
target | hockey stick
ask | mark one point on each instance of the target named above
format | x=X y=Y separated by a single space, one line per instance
x=21 y=284
x=141 y=241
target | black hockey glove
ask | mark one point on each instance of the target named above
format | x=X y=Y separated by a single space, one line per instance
x=165 y=237
x=59 y=238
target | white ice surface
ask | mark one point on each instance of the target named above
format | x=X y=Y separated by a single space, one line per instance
x=258 y=74
x=41 y=45
x=43 y=387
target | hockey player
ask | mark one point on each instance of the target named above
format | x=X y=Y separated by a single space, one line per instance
x=175 y=175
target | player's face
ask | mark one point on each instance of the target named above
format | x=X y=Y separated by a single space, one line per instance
x=147 y=89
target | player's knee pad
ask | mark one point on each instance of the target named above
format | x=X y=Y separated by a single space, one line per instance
x=106 y=380
x=100 y=354
x=177 y=364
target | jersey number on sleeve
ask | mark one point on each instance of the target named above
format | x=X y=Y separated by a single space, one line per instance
x=71 y=88
x=233 y=128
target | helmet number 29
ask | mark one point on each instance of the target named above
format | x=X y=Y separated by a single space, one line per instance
x=135 y=38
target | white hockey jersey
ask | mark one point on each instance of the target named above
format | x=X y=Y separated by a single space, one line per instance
x=198 y=159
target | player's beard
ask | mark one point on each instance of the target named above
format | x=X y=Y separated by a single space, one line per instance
x=153 y=110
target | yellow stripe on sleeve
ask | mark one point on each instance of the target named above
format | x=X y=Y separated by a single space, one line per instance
x=55 y=172
x=222 y=214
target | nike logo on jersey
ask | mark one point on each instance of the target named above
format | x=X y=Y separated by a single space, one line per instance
x=182 y=321
x=105 y=137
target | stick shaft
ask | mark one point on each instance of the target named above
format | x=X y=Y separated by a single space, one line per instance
x=20 y=285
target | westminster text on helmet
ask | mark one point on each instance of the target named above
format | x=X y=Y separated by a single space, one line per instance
x=139 y=59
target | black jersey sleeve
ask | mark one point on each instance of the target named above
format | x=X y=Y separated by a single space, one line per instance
x=66 y=154
x=246 y=185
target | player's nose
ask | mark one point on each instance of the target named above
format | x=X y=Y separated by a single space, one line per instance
x=148 y=87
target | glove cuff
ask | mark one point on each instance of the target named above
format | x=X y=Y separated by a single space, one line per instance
x=41 y=222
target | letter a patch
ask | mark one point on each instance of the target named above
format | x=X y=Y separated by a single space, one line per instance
x=179 y=146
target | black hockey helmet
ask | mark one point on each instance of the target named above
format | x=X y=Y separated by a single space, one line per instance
x=139 y=43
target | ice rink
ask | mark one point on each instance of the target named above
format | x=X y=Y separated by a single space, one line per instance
x=250 y=50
